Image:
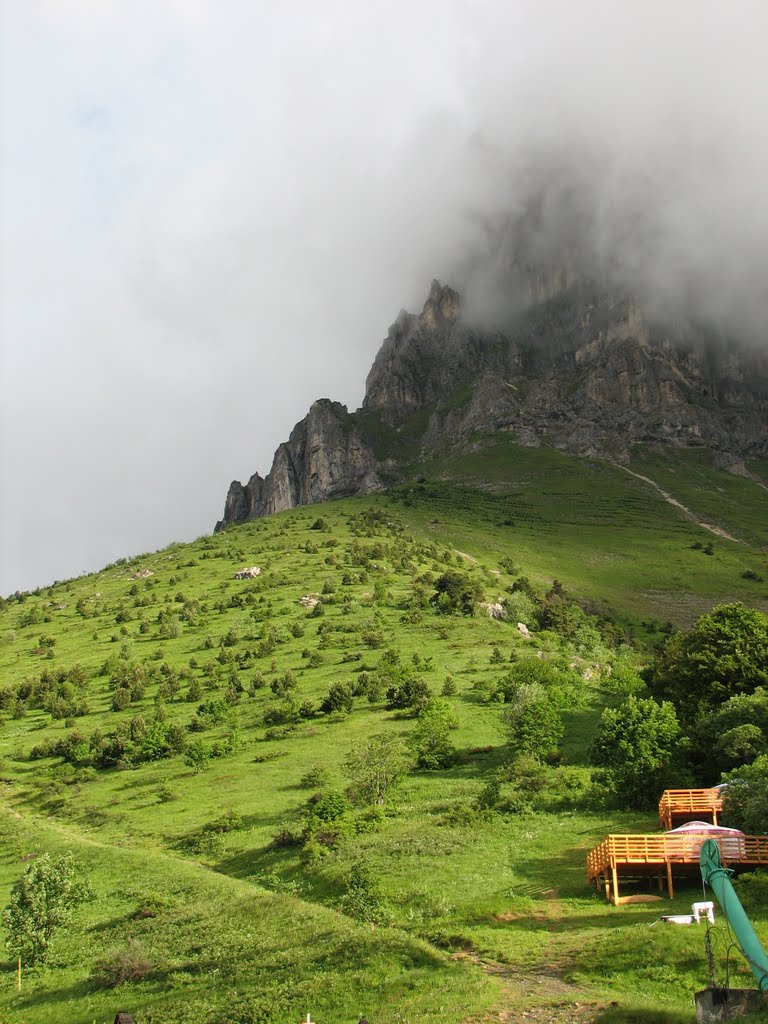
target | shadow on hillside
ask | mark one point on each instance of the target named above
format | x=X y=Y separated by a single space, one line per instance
x=630 y=1015
x=277 y=871
x=566 y=872
x=580 y=731
x=113 y=923
x=579 y=922
x=157 y=980
x=471 y=763
x=133 y=782
x=565 y=875
x=260 y=860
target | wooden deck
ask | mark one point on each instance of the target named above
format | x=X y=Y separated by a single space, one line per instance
x=680 y=805
x=654 y=856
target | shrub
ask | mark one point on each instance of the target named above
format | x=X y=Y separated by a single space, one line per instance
x=456 y=592
x=329 y=806
x=197 y=757
x=317 y=777
x=376 y=767
x=363 y=899
x=338 y=698
x=412 y=693
x=430 y=740
x=120 y=965
x=638 y=748
x=534 y=724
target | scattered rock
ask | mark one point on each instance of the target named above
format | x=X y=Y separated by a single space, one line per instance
x=523 y=630
x=142 y=574
x=495 y=610
x=309 y=600
x=248 y=573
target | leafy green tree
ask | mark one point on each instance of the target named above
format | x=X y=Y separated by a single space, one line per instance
x=726 y=653
x=639 y=749
x=197 y=757
x=363 y=899
x=412 y=692
x=430 y=740
x=42 y=902
x=339 y=698
x=534 y=723
x=745 y=801
x=740 y=746
x=557 y=682
x=733 y=734
x=456 y=592
x=376 y=767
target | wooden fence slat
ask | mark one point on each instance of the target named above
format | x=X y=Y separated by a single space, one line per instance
x=683 y=848
x=678 y=802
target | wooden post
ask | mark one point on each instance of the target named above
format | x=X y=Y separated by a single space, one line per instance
x=615 y=884
x=18 y=980
x=670 y=887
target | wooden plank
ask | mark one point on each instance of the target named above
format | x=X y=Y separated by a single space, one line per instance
x=679 y=802
x=617 y=851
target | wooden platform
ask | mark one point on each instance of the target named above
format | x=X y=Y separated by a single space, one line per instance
x=680 y=805
x=653 y=857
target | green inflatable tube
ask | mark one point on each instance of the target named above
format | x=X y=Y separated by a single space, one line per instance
x=716 y=876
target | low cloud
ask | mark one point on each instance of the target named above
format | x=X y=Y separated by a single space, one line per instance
x=212 y=211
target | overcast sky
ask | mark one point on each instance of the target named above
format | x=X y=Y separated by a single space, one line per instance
x=211 y=211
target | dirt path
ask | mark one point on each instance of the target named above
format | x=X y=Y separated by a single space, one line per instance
x=534 y=996
x=717 y=530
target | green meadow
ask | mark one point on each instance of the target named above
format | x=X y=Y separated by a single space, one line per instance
x=172 y=727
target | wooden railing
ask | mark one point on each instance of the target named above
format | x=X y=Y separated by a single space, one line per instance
x=680 y=802
x=682 y=848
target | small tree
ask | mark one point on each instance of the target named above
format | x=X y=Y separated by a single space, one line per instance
x=197 y=757
x=639 y=748
x=430 y=740
x=456 y=592
x=724 y=654
x=375 y=768
x=339 y=698
x=42 y=901
x=534 y=723
x=412 y=693
x=745 y=801
x=363 y=899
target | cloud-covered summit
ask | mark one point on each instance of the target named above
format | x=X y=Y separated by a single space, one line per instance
x=211 y=211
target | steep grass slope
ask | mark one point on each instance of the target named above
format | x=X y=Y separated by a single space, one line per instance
x=205 y=860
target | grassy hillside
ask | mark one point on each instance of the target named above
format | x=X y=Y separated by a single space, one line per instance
x=239 y=893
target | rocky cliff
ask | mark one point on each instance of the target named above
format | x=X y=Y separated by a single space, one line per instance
x=575 y=367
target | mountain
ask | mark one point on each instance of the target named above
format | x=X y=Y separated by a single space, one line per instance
x=184 y=730
x=573 y=367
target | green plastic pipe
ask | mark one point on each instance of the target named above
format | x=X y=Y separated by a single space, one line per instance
x=716 y=877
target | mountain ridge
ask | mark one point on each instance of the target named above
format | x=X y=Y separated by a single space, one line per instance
x=577 y=369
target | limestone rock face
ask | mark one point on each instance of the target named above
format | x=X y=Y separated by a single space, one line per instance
x=585 y=371
x=325 y=457
x=575 y=367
